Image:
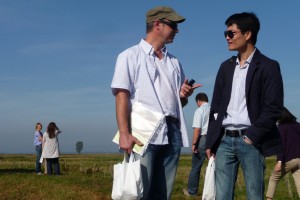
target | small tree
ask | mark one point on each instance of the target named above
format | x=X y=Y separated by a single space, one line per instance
x=79 y=146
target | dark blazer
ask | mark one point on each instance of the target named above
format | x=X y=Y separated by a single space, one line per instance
x=264 y=98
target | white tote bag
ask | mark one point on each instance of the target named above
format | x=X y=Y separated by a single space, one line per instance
x=209 y=189
x=127 y=183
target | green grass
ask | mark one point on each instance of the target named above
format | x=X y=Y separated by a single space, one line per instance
x=90 y=177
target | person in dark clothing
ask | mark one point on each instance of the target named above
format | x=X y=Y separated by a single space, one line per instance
x=246 y=104
x=289 y=159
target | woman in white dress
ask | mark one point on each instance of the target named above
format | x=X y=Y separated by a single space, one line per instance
x=51 y=148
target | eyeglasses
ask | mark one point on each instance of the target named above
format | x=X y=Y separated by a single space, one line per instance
x=229 y=33
x=171 y=24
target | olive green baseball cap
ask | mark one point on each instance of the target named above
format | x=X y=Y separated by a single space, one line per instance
x=163 y=12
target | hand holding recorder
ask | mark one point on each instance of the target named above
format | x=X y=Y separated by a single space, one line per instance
x=188 y=87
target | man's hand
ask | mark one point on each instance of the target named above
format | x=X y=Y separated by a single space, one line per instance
x=246 y=140
x=195 y=148
x=187 y=90
x=127 y=141
x=277 y=167
x=209 y=154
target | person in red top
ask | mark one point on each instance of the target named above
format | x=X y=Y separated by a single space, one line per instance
x=289 y=159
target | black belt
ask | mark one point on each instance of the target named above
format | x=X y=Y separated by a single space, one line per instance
x=234 y=133
x=172 y=119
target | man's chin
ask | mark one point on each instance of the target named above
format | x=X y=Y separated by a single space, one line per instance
x=169 y=41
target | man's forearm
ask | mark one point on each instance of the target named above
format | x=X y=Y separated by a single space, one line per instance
x=122 y=110
x=196 y=136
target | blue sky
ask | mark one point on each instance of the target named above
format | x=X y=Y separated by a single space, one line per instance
x=57 y=59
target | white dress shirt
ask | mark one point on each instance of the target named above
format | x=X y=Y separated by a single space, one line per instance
x=136 y=71
x=166 y=93
x=237 y=114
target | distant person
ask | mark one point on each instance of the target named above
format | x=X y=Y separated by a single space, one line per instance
x=247 y=102
x=51 y=148
x=289 y=160
x=200 y=125
x=148 y=74
x=38 y=139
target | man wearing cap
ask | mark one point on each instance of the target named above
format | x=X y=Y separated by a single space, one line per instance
x=148 y=74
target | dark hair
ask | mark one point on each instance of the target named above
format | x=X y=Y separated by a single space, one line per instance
x=287 y=117
x=51 y=129
x=201 y=97
x=245 y=22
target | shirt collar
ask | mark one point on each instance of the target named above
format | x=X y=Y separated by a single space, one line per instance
x=149 y=50
x=204 y=104
x=249 y=59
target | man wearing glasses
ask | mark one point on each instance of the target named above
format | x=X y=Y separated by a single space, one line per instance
x=148 y=74
x=246 y=103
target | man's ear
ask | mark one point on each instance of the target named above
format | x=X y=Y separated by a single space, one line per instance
x=156 y=24
x=248 y=35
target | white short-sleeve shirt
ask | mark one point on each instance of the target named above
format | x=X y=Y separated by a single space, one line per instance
x=201 y=117
x=136 y=72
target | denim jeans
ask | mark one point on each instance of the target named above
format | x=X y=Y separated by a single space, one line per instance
x=159 y=165
x=197 y=162
x=232 y=152
x=55 y=162
x=38 y=149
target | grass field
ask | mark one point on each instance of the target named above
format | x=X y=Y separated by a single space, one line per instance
x=89 y=176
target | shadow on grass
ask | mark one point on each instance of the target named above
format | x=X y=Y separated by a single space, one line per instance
x=12 y=171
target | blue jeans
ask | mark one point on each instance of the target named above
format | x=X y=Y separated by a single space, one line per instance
x=55 y=162
x=38 y=149
x=197 y=162
x=159 y=165
x=232 y=152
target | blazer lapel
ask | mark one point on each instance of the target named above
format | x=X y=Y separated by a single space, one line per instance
x=252 y=68
x=232 y=69
x=230 y=74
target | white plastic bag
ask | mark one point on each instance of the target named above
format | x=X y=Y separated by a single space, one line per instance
x=209 y=189
x=41 y=159
x=127 y=183
x=118 y=181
